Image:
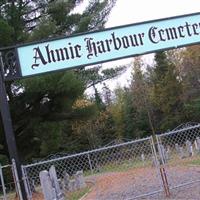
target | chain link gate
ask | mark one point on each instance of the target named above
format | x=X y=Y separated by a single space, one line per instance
x=137 y=169
x=179 y=154
x=9 y=182
x=124 y=171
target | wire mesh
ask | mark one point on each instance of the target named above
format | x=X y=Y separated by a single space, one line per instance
x=115 y=172
x=180 y=154
x=8 y=183
x=127 y=170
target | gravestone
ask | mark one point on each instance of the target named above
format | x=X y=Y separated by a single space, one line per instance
x=66 y=181
x=179 y=151
x=79 y=179
x=50 y=185
x=142 y=158
x=55 y=183
x=189 y=148
x=72 y=185
x=197 y=144
x=47 y=187
x=168 y=153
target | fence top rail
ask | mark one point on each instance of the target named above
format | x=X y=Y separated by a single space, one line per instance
x=5 y=166
x=180 y=130
x=87 y=152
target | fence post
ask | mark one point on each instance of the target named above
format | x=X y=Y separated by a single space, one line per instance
x=26 y=185
x=160 y=151
x=91 y=169
x=16 y=179
x=3 y=184
x=162 y=169
x=153 y=149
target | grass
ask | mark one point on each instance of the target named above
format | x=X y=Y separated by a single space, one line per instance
x=10 y=196
x=187 y=161
x=195 y=162
x=78 y=194
x=119 y=166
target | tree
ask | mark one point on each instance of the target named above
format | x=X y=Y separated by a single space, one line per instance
x=44 y=105
x=141 y=100
x=190 y=76
x=117 y=110
x=107 y=96
x=166 y=93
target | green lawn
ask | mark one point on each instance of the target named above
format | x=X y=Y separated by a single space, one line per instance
x=78 y=194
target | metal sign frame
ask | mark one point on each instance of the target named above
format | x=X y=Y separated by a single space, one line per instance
x=12 y=56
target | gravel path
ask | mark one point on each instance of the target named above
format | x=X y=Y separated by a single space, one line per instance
x=135 y=182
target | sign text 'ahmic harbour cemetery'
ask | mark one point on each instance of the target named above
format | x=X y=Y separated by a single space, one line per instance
x=109 y=44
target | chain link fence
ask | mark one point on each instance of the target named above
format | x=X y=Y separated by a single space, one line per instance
x=9 y=182
x=120 y=171
x=137 y=169
x=180 y=154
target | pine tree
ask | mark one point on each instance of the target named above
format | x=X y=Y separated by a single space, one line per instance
x=141 y=101
x=42 y=107
x=166 y=93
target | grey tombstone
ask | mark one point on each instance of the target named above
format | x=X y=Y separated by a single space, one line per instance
x=168 y=153
x=79 y=179
x=72 y=185
x=177 y=148
x=142 y=158
x=189 y=148
x=198 y=144
x=47 y=187
x=66 y=181
x=55 y=183
x=179 y=151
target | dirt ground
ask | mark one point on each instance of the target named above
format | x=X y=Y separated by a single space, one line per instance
x=129 y=184
x=132 y=183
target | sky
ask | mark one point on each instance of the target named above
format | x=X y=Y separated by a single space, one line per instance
x=132 y=11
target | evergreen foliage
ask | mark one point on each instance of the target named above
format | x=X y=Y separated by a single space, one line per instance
x=51 y=113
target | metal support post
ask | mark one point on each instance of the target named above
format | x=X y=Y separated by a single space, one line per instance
x=8 y=128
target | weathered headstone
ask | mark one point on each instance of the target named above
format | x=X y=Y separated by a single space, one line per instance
x=179 y=151
x=47 y=187
x=79 y=179
x=197 y=144
x=72 y=185
x=177 y=147
x=66 y=181
x=189 y=148
x=168 y=153
x=142 y=158
x=55 y=182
